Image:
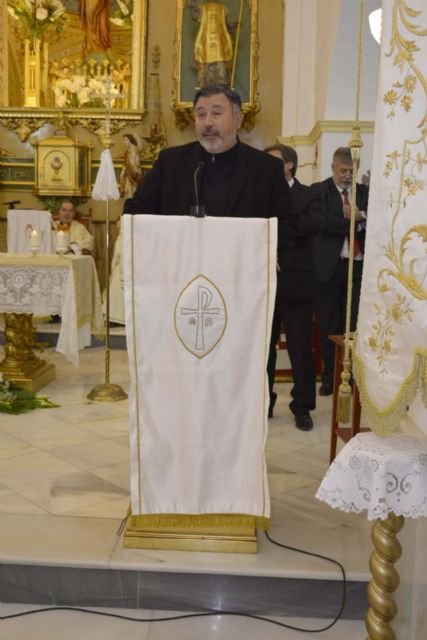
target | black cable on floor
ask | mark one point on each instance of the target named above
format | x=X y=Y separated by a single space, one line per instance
x=211 y=612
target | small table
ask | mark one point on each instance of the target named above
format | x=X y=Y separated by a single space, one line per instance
x=387 y=477
x=345 y=433
x=45 y=285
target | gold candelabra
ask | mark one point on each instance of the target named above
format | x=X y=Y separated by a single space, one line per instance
x=107 y=392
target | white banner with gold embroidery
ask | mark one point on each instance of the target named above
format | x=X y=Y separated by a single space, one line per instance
x=391 y=347
x=199 y=297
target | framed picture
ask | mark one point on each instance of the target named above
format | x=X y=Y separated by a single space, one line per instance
x=216 y=42
x=64 y=64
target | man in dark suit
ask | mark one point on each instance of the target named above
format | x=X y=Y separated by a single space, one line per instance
x=331 y=253
x=295 y=296
x=219 y=171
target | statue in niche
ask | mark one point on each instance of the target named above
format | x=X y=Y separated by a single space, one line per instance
x=95 y=21
x=213 y=47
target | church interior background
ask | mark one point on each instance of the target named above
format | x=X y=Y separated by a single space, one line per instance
x=64 y=477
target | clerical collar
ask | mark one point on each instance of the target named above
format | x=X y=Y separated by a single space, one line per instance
x=220 y=158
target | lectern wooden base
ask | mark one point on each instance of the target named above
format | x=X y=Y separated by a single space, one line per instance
x=221 y=533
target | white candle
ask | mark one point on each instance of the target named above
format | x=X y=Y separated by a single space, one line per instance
x=62 y=239
x=35 y=239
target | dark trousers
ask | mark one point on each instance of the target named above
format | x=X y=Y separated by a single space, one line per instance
x=297 y=318
x=330 y=307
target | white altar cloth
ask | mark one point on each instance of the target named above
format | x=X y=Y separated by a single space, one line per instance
x=380 y=475
x=53 y=284
x=17 y=237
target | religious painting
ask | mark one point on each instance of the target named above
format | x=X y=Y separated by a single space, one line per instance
x=98 y=41
x=216 y=42
x=66 y=52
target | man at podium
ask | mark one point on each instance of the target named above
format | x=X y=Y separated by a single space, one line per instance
x=199 y=298
x=219 y=172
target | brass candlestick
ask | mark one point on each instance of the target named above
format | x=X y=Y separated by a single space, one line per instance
x=107 y=392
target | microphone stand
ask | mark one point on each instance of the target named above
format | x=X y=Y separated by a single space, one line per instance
x=197 y=210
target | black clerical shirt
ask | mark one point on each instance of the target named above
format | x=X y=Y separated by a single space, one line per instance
x=216 y=180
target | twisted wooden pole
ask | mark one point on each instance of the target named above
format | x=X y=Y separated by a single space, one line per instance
x=385 y=578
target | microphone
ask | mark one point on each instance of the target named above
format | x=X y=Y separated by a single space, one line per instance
x=12 y=203
x=198 y=210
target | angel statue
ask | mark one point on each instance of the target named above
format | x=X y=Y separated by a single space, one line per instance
x=131 y=174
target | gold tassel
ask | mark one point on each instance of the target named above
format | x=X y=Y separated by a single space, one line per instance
x=344 y=394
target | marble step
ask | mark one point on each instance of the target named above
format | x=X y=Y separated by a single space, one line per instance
x=135 y=589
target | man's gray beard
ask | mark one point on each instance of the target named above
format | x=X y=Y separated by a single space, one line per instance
x=210 y=147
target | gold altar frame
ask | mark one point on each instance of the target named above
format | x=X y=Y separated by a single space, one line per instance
x=184 y=70
x=26 y=120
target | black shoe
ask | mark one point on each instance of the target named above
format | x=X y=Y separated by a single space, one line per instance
x=303 y=421
x=273 y=399
x=325 y=390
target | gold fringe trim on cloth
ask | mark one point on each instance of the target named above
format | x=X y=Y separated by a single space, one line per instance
x=200 y=521
x=384 y=422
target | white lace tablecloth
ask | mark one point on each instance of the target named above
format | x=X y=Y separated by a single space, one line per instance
x=53 y=284
x=380 y=475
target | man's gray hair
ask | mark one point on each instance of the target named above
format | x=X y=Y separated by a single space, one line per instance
x=342 y=154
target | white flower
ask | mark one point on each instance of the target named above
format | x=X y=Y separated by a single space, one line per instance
x=61 y=100
x=41 y=14
x=77 y=83
x=118 y=21
x=84 y=95
x=63 y=83
x=123 y=7
x=57 y=14
x=12 y=12
x=58 y=8
x=97 y=85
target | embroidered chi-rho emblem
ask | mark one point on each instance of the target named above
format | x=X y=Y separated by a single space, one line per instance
x=200 y=316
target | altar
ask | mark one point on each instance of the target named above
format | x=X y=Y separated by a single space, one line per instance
x=46 y=285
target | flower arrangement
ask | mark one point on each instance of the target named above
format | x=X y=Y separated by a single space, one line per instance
x=77 y=90
x=123 y=16
x=39 y=15
x=15 y=400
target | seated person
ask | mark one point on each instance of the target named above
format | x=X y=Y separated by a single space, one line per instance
x=81 y=241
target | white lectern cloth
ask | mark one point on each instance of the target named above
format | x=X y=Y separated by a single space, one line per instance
x=199 y=297
x=18 y=237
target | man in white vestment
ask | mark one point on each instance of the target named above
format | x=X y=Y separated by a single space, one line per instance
x=81 y=241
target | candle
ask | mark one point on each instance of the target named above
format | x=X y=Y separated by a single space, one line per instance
x=35 y=239
x=62 y=239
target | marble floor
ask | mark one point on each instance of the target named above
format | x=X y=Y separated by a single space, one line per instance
x=64 y=489
x=69 y=625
